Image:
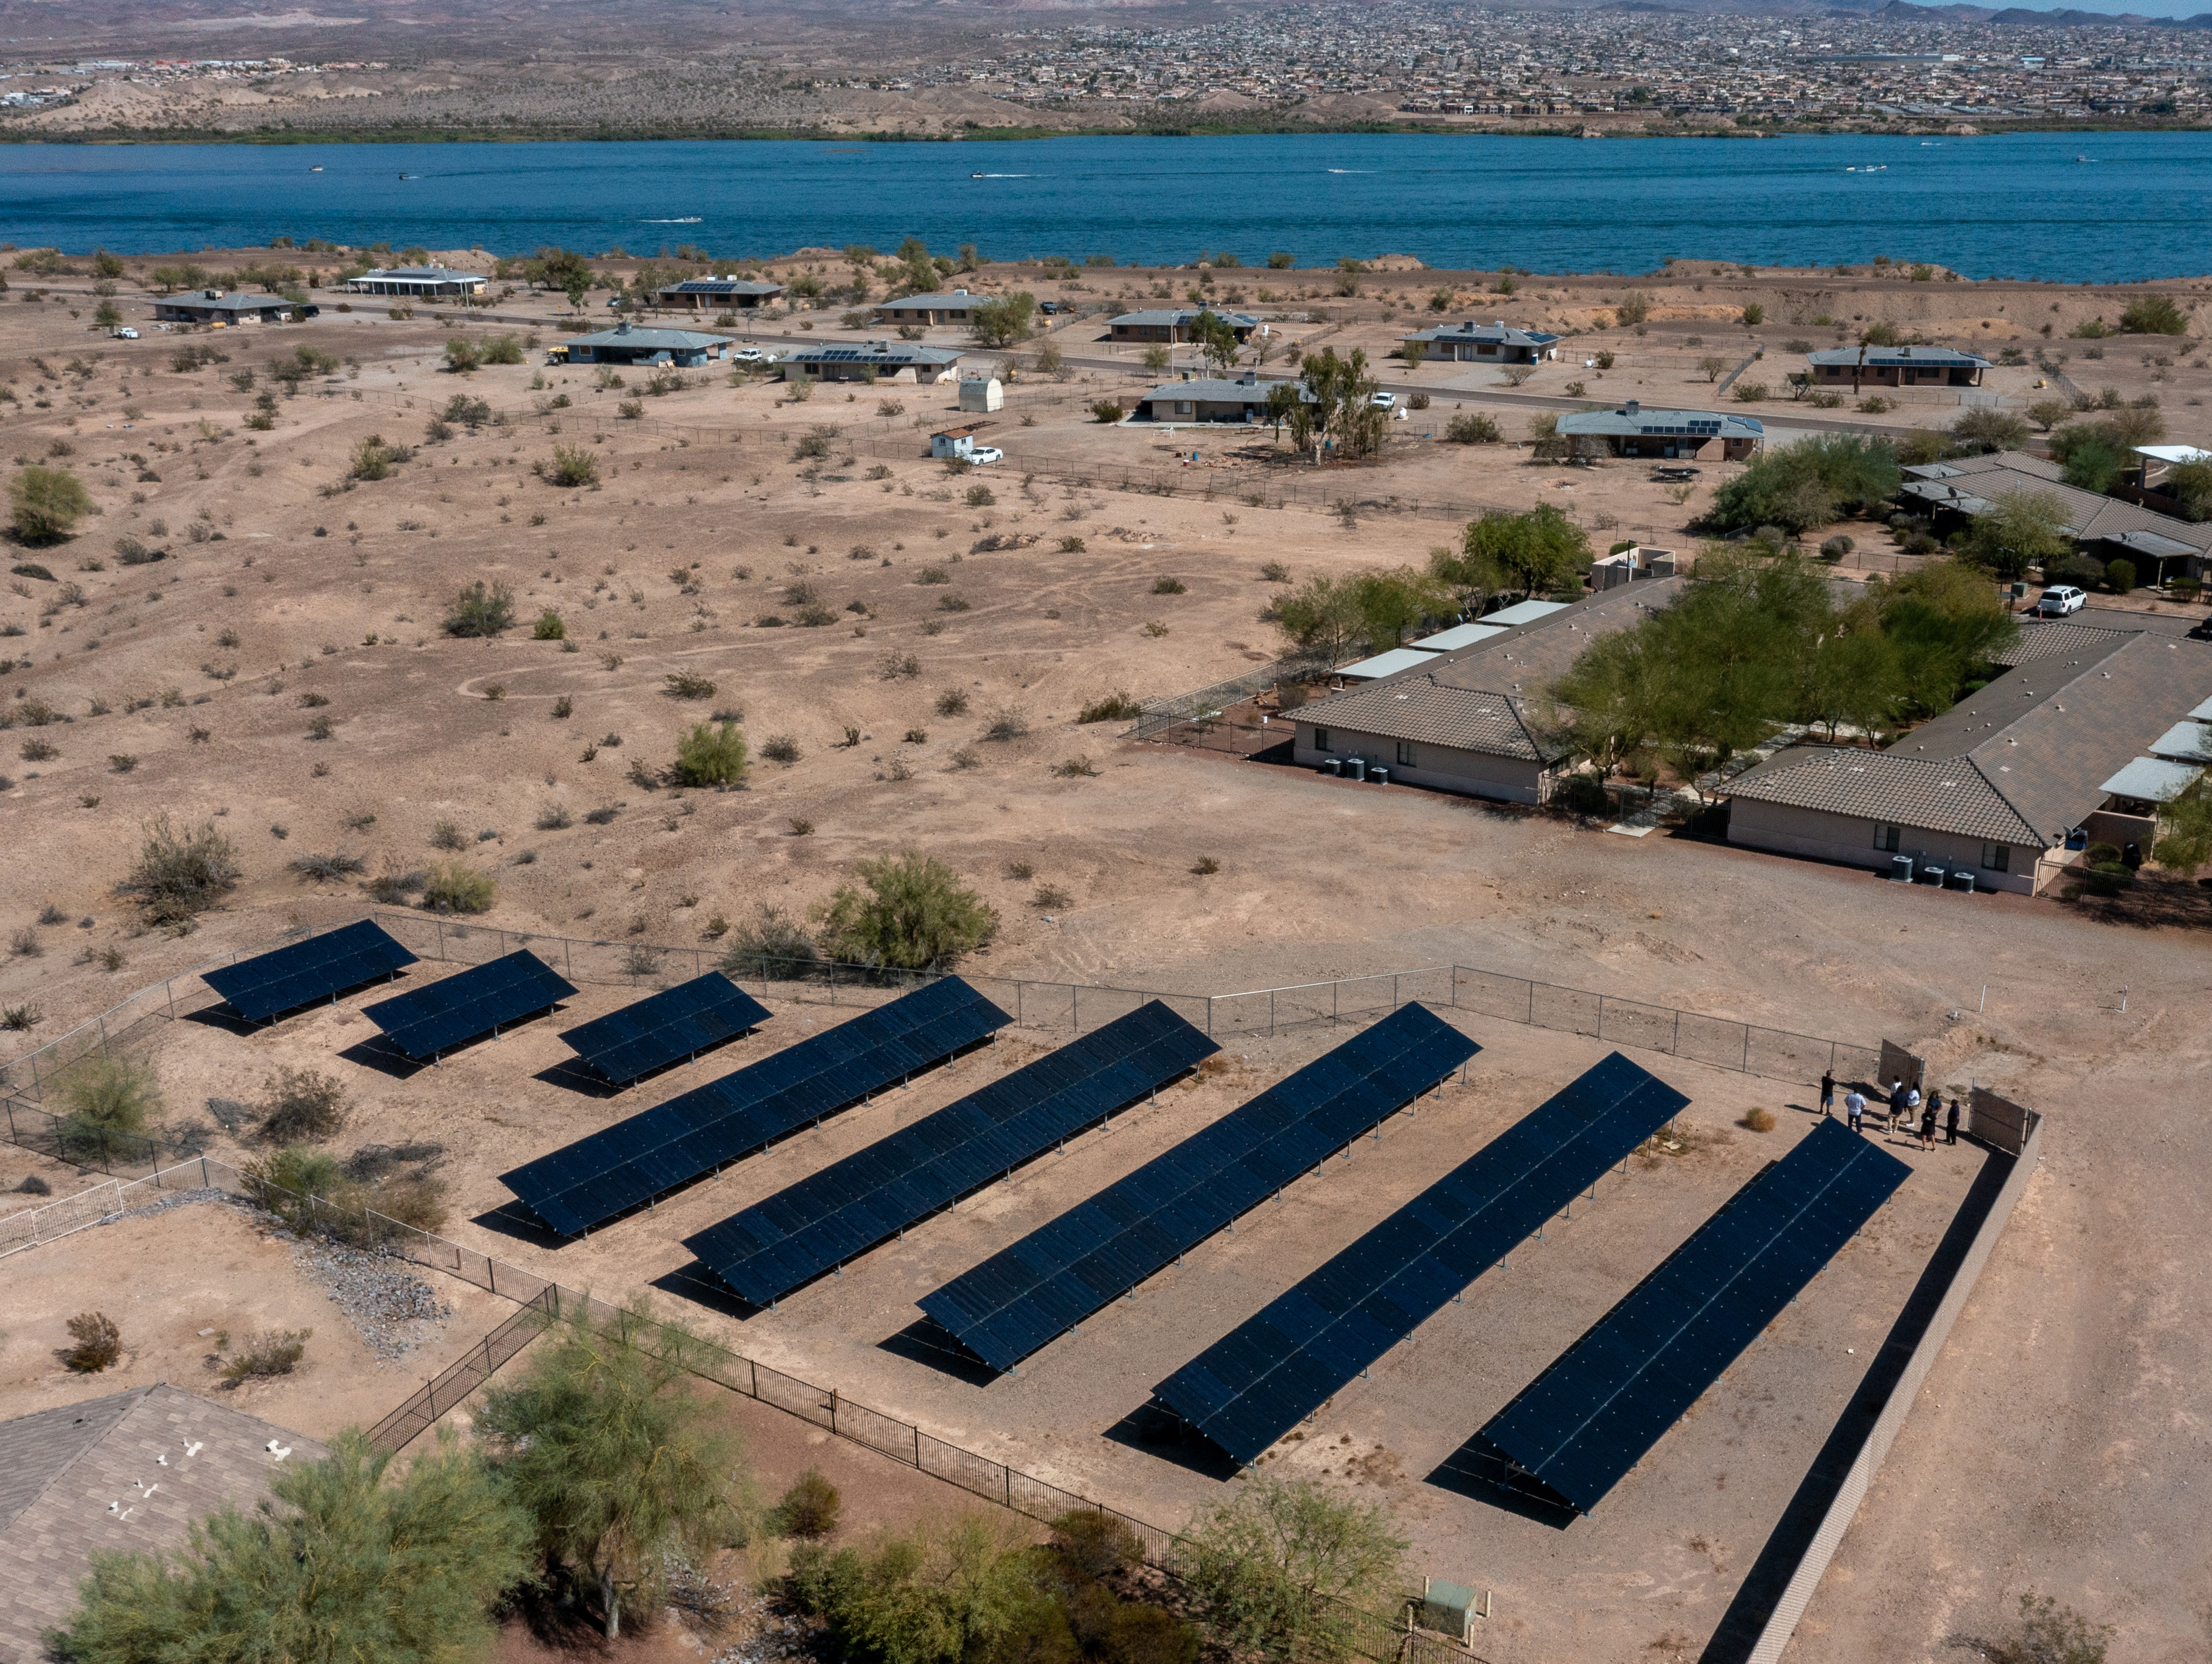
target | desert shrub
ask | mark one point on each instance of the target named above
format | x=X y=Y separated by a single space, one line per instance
x=687 y=684
x=981 y=496
x=953 y=702
x=181 y=873
x=106 y=1105
x=1078 y=768
x=1106 y=411
x=933 y=575
x=1758 y=1120
x=1114 y=707
x=1092 y=1546
x=2119 y=576
x=19 y=1019
x=2154 y=314
x=1749 y=393
x=96 y=1343
x=601 y=816
x=272 y=1352
x=1169 y=586
x=374 y=459
x=572 y=465
x=314 y=1195
x=553 y=818
x=770 y=945
x=1007 y=722
x=1205 y=866
x=446 y=835
x=548 y=628
x=300 y=1104
x=481 y=609
x=1837 y=547
x=454 y=886
x=910 y=912
x=1472 y=427
x=1288 y=1568
x=896 y=666
x=780 y=747
x=711 y=754
x=47 y=503
x=809 y=1510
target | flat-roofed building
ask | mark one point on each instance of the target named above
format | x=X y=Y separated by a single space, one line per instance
x=419 y=282
x=215 y=306
x=1173 y=325
x=716 y=294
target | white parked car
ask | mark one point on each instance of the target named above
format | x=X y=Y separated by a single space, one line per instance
x=752 y=356
x=983 y=453
x=1384 y=400
x=126 y=333
x=2059 y=600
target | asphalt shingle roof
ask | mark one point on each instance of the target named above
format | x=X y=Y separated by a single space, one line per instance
x=1416 y=705
x=1161 y=317
x=1887 y=358
x=1969 y=484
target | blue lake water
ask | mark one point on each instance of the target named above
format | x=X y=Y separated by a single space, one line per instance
x=2104 y=206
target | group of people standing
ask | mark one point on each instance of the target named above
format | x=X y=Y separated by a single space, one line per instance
x=1905 y=1104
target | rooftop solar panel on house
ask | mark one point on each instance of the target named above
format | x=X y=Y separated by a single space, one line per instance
x=676 y=1022
x=1257 y=1382
x=1016 y=1301
x=1574 y=1432
x=602 y=1176
x=477 y=1001
x=320 y=968
x=827 y=1217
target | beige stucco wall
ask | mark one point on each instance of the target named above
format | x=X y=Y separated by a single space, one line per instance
x=1442 y=767
x=1824 y=836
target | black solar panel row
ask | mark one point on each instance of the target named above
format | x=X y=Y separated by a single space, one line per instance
x=677 y=1022
x=1591 y=1416
x=1016 y=1301
x=1256 y=1383
x=475 y=1001
x=585 y=1184
x=320 y=968
x=805 y=1229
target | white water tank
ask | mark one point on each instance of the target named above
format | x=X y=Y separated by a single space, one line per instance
x=981 y=394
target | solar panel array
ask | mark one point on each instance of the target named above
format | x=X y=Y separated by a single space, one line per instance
x=320 y=968
x=677 y=1022
x=827 y=1217
x=438 y=1017
x=585 y=1184
x=1012 y=1303
x=1591 y=1416
x=1256 y=1383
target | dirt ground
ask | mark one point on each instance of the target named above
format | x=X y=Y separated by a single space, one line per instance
x=2058 y=1441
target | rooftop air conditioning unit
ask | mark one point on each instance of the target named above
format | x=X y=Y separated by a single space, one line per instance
x=1451 y=1609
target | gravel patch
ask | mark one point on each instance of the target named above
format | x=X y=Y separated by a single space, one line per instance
x=393 y=1311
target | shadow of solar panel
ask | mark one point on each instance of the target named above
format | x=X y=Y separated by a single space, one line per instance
x=475 y=1001
x=320 y=968
x=1016 y=1301
x=1271 y=1372
x=827 y=1217
x=676 y=1022
x=585 y=1184
x=1574 y=1432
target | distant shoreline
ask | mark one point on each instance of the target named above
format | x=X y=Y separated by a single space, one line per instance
x=1915 y=127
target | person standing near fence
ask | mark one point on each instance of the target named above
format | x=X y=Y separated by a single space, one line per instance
x=1827 y=1091
x=1896 y=1097
x=1951 y=1120
x=1855 y=1106
x=1928 y=1123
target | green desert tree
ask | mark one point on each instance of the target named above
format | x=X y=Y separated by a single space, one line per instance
x=1215 y=338
x=940 y=1593
x=2185 y=830
x=2154 y=314
x=2020 y=530
x=1811 y=483
x=482 y=609
x=1322 y=615
x=1287 y=1569
x=711 y=754
x=1004 y=320
x=2189 y=483
x=909 y=912
x=1393 y=602
x=2091 y=455
x=48 y=502
x=1343 y=408
x=107 y=1102
x=353 y=1562
x=1985 y=430
x=1539 y=549
x=604 y=1446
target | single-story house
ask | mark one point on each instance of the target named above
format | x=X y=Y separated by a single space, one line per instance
x=717 y=294
x=626 y=343
x=1485 y=343
x=419 y=282
x=1473 y=719
x=872 y=361
x=1174 y=325
x=1210 y=398
x=1992 y=787
x=1897 y=367
x=1633 y=431
x=213 y=306
x=955 y=442
x=953 y=308
x=128 y=1472
x=1953 y=493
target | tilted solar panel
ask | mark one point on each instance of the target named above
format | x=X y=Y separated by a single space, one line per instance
x=320 y=968
x=827 y=1217
x=600 y=1177
x=1575 y=1430
x=1016 y=1301
x=678 y=1022
x=473 y=1002
x=1257 y=1382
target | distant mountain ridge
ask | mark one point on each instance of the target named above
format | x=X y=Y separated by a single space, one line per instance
x=2062 y=17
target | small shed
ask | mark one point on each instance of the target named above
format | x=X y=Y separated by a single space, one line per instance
x=1627 y=565
x=982 y=393
x=957 y=442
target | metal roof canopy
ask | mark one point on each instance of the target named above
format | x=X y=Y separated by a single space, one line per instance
x=1389 y=664
x=2152 y=781
x=1524 y=612
x=1460 y=635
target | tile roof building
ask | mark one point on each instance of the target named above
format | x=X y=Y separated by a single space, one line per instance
x=90 y=1478
x=2000 y=780
x=1954 y=493
x=1633 y=431
x=1474 y=720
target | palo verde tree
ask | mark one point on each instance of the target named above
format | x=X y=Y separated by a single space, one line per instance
x=1003 y=321
x=610 y=1454
x=47 y=503
x=1811 y=483
x=2021 y=529
x=1287 y=1569
x=1539 y=549
x=353 y=1562
x=1215 y=338
x=910 y=912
